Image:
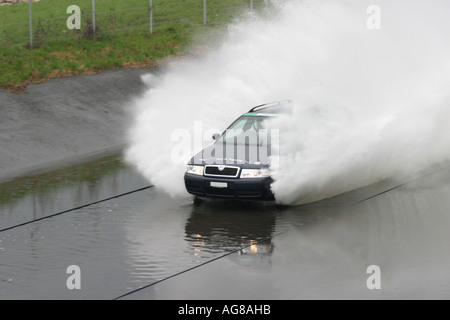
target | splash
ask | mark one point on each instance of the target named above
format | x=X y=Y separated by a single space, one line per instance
x=370 y=103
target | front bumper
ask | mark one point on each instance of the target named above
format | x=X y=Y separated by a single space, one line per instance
x=246 y=189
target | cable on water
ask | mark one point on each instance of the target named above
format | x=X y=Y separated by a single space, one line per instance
x=74 y=209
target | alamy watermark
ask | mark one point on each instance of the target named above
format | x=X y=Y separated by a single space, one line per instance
x=74 y=280
x=374 y=280
x=74 y=21
x=374 y=20
x=235 y=146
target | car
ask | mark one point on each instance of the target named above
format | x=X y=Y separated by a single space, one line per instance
x=237 y=165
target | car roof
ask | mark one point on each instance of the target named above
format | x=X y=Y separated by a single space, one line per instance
x=271 y=109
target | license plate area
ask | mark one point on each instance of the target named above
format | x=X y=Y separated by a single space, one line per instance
x=216 y=184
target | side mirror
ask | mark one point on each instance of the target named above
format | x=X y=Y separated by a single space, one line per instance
x=215 y=136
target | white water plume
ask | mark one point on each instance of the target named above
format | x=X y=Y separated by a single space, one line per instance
x=369 y=103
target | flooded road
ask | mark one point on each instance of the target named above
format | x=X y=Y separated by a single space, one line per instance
x=146 y=245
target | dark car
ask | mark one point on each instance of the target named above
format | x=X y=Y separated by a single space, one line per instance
x=237 y=164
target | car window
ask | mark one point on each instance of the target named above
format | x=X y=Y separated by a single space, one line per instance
x=246 y=130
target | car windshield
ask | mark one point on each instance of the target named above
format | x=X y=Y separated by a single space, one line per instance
x=247 y=130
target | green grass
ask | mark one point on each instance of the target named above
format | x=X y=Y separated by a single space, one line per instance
x=122 y=39
x=21 y=66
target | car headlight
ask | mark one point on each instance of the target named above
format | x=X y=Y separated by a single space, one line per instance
x=255 y=173
x=195 y=169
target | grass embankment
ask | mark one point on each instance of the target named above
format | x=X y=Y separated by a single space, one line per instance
x=20 y=67
x=122 y=39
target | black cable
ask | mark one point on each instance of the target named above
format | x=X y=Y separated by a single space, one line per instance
x=74 y=209
x=403 y=184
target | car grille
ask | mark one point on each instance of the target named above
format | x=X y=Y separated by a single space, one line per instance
x=222 y=171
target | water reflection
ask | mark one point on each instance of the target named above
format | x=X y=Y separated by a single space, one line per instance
x=317 y=250
x=222 y=226
x=321 y=250
x=30 y=198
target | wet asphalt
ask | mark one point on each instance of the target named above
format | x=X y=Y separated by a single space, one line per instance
x=66 y=121
x=146 y=245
